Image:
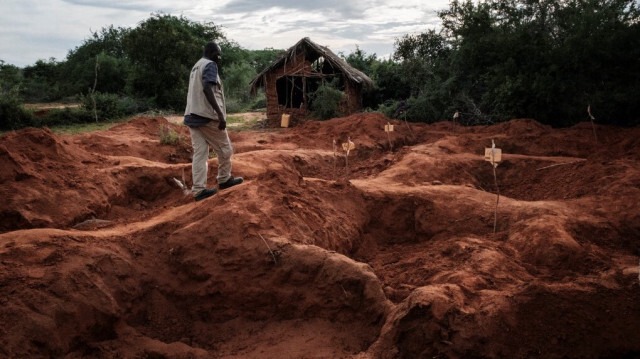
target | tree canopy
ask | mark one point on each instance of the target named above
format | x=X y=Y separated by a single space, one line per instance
x=542 y=59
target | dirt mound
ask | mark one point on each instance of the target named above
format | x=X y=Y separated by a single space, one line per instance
x=62 y=180
x=387 y=253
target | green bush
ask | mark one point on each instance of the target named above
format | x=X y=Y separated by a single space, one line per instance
x=234 y=106
x=13 y=115
x=387 y=108
x=325 y=101
x=260 y=102
x=67 y=116
x=111 y=106
x=169 y=136
x=106 y=105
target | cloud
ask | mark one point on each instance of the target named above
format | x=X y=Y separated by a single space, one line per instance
x=35 y=29
x=372 y=25
x=338 y=9
x=138 y=5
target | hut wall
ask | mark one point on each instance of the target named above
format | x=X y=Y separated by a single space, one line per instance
x=353 y=98
x=300 y=67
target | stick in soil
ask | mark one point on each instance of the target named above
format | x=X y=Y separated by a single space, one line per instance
x=593 y=126
x=93 y=91
x=560 y=164
x=346 y=156
x=409 y=127
x=335 y=156
x=495 y=179
x=455 y=120
x=269 y=248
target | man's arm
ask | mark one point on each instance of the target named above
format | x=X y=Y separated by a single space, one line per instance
x=208 y=93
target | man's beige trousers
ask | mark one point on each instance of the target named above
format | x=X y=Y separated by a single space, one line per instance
x=201 y=138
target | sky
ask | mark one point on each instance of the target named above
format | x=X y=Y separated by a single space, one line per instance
x=32 y=30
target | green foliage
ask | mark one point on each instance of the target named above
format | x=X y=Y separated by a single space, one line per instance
x=82 y=128
x=13 y=115
x=325 y=101
x=169 y=136
x=496 y=60
x=67 y=116
x=105 y=48
x=238 y=68
x=389 y=80
x=360 y=60
x=388 y=108
x=261 y=59
x=259 y=101
x=162 y=50
x=41 y=81
x=111 y=106
x=234 y=106
x=236 y=81
x=10 y=77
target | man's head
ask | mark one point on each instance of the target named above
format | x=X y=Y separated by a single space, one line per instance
x=212 y=51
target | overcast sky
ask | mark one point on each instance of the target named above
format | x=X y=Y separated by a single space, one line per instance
x=40 y=29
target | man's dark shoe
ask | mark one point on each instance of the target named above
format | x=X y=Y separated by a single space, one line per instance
x=230 y=182
x=205 y=193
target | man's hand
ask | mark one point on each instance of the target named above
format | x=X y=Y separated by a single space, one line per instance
x=222 y=124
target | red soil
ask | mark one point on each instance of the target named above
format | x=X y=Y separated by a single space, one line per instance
x=392 y=256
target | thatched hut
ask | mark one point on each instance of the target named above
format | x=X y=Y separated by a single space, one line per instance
x=299 y=71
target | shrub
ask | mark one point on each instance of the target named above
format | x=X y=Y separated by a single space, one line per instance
x=169 y=136
x=234 y=105
x=387 y=108
x=13 y=115
x=259 y=102
x=67 y=116
x=111 y=106
x=325 y=101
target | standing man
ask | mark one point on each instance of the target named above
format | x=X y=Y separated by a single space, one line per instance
x=207 y=120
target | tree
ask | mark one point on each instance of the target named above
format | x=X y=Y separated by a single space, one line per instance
x=261 y=59
x=360 y=60
x=495 y=60
x=162 y=50
x=10 y=77
x=41 y=81
x=107 y=48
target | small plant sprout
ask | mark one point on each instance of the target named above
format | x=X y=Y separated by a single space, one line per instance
x=494 y=155
x=593 y=126
x=168 y=136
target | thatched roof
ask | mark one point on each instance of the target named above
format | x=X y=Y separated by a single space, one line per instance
x=312 y=52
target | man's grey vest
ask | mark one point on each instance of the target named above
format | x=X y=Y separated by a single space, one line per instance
x=197 y=103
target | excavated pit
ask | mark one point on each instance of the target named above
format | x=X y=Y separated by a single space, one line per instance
x=392 y=257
